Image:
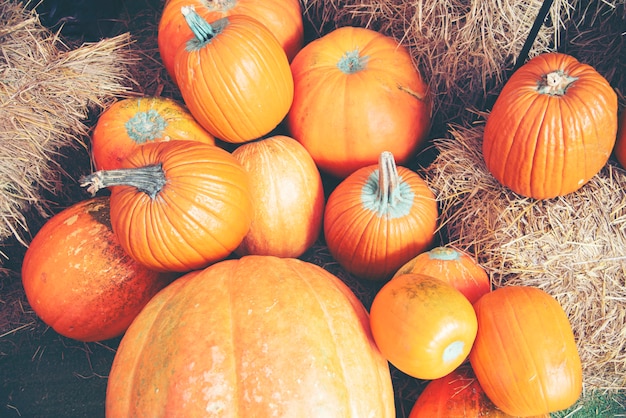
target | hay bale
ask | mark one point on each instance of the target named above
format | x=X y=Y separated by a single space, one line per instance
x=573 y=247
x=47 y=93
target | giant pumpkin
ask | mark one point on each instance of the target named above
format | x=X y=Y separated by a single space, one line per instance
x=259 y=336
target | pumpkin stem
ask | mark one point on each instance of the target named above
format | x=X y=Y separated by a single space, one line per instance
x=555 y=83
x=148 y=179
x=444 y=253
x=351 y=62
x=388 y=178
x=202 y=30
x=145 y=126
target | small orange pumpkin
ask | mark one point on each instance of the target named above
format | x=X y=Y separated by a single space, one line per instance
x=132 y=122
x=288 y=197
x=525 y=355
x=422 y=325
x=379 y=217
x=551 y=128
x=79 y=280
x=452 y=266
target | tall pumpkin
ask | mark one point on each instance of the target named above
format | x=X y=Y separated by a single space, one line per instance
x=257 y=336
x=132 y=122
x=178 y=205
x=357 y=94
x=79 y=280
x=552 y=127
x=282 y=17
x=525 y=355
x=378 y=218
x=234 y=77
x=288 y=197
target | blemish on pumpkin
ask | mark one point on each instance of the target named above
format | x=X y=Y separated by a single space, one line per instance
x=71 y=220
x=410 y=92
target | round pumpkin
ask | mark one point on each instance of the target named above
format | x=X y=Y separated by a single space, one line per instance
x=287 y=194
x=132 y=122
x=525 y=354
x=422 y=325
x=178 y=205
x=456 y=395
x=78 y=279
x=452 y=266
x=256 y=336
x=282 y=17
x=551 y=128
x=357 y=94
x=620 y=143
x=234 y=77
x=378 y=218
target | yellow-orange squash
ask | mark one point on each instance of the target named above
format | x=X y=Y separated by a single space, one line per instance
x=551 y=128
x=259 y=336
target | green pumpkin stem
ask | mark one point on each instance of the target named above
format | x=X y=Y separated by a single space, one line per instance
x=148 y=179
x=388 y=178
x=352 y=62
x=555 y=83
x=202 y=30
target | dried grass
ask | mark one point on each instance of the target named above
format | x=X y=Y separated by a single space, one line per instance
x=573 y=247
x=47 y=93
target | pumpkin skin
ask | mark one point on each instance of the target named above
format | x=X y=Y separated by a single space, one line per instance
x=357 y=94
x=178 y=205
x=131 y=122
x=287 y=194
x=293 y=342
x=551 y=128
x=237 y=82
x=282 y=17
x=79 y=280
x=452 y=266
x=377 y=218
x=620 y=143
x=456 y=395
x=525 y=355
x=422 y=325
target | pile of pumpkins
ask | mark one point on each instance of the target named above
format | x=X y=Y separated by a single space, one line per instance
x=191 y=250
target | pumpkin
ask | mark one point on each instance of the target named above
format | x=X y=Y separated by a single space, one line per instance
x=256 y=336
x=282 y=17
x=525 y=354
x=287 y=194
x=132 y=122
x=422 y=325
x=78 y=279
x=234 y=77
x=177 y=205
x=377 y=218
x=551 y=128
x=456 y=395
x=620 y=143
x=452 y=266
x=357 y=93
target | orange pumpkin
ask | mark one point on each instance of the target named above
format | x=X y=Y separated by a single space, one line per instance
x=525 y=355
x=282 y=17
x=287 y=194
x=234 y=77
x=456 y=395
x=257 y=336
x=452 y=266
x=132 y=122
x=422 y=325
x=551 y=128
x=620 y=143
x=178 y=205
x=78 y=279
x=357 y=94
x=379 y=217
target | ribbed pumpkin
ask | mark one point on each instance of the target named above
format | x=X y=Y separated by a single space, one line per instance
x=79 y=280
x=357 y=94
x=132 y=122
x=456 y=395
x=287 y=194
x=178 y=205
x=551 y=128
x=259 y=336
x=422 y=325
x=452 y=266
x=525 y=355
x=282 y=17
x=378 y=218
x=234 y=77
x=620 y=144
